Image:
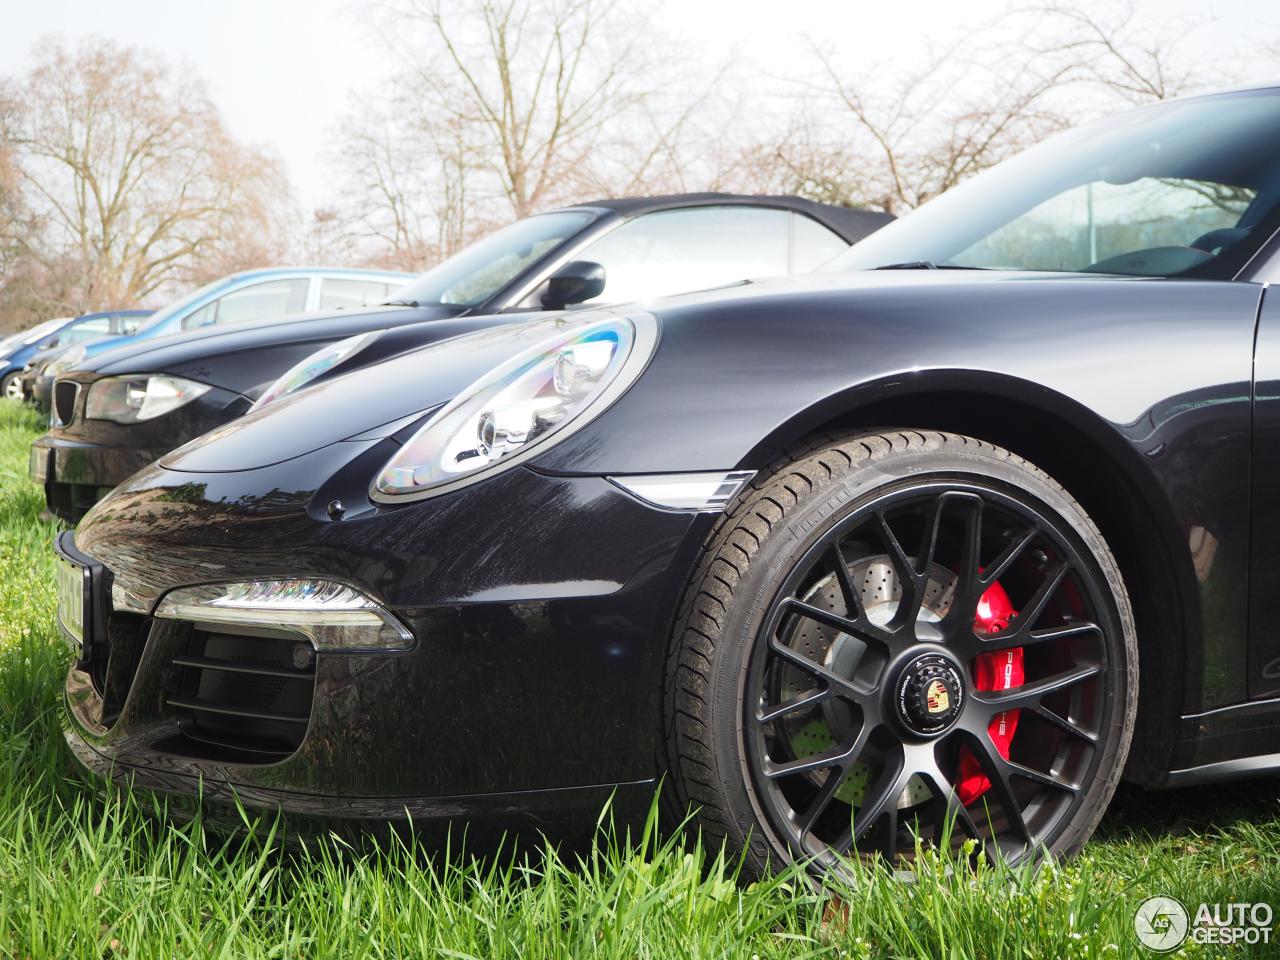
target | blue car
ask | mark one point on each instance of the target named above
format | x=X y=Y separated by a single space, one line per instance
x=17 y=350
x=252 y=295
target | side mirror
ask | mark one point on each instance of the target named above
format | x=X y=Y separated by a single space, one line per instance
x=575 y=282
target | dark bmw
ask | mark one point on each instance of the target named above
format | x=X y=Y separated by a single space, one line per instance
x=847 y=559
x=120 y=411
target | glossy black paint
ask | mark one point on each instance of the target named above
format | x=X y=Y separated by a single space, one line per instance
x=105 y=451
x=36 y=387
x=575 y=282
x=1264 y=583
x=557 y=624
x=244 y=361
x=545 y=593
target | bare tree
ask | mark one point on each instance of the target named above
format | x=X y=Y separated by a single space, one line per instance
x=13 y=224
x=533 y=88
x=1126 y=56
x=134 y=180
x=894 y=139
x=407 y=184
x=504 y=108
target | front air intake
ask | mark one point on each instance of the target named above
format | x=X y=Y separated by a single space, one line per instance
x=250 y=695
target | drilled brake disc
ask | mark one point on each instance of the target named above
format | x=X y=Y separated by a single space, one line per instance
x=818 y=730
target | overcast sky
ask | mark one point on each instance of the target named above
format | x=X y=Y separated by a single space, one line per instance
x=282 y=70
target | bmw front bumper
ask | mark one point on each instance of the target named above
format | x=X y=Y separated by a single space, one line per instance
x=76 y=474
x=79 y=461
x=39 y=390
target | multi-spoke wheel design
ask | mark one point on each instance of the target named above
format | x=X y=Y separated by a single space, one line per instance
x=869 y=722
x=940 y=655
x=11 y=386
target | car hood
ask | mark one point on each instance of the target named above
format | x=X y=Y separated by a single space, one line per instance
x=368 y=403
x=192 y=353
x=379 y=400
x=41 y=358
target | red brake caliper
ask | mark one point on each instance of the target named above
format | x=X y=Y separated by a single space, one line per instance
x=993 y=671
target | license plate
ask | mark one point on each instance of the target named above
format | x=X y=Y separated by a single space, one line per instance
x=39 y=469
x=73 y=587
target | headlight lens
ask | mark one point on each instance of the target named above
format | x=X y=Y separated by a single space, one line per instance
x=132 y=399
x=517 y=409
x=64 y=361
x=312 y=366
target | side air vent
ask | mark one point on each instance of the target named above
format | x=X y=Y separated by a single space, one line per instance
x=250 y=695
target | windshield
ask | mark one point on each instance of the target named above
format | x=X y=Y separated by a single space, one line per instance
x=179 y=306
x=477 y=272
x=1187 y=188
x=25 y=337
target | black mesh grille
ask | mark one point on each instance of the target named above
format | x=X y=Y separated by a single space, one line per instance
x=64 y=400
x=247 y=694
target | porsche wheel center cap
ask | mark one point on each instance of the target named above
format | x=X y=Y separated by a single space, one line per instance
x=929 y=693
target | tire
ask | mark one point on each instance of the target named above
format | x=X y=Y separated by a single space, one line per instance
x=11 y=386
x=768 y=623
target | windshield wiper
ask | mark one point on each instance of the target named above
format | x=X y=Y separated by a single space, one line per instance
x=909 y=265
x=927 y=265
x=401 y=303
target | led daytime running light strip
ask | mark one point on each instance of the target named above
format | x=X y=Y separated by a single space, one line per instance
x=333 y=616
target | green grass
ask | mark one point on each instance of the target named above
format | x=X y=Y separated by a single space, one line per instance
x=88 y=874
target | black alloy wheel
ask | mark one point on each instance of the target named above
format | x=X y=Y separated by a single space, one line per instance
x=903 y=639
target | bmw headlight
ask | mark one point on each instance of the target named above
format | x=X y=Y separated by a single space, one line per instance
x=64 y=361
x=521 y=407
x=312 y=366
x=132 y=399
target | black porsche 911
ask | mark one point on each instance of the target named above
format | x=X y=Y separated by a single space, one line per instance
x=853 y=561
x=119 y=411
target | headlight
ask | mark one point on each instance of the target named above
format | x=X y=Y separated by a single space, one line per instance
x=521 y=407
x=64 y=361
x=131 y=399
x=312 y=366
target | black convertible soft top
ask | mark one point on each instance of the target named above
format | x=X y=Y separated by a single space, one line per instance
x=849 y=223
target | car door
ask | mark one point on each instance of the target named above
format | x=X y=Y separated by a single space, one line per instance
x=695 y=248
x=255 y=301
x=1264 y=575
x=675 y=251
x=83 y=332
x=345 y=293
x=124 y=324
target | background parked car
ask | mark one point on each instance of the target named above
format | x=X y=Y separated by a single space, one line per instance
x=17 y=350
x=605 y=251
x=239 y=298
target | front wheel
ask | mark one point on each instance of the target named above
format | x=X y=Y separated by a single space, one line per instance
x=11 y=386
x=898 y=640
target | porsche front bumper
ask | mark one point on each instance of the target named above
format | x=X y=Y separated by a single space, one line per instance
x=539 y=606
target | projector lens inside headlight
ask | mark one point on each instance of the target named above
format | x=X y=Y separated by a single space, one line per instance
x=313 y=365
x=133 y=399
x=520 y=407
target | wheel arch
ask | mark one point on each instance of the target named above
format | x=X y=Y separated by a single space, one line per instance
x=1094 y=463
